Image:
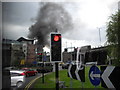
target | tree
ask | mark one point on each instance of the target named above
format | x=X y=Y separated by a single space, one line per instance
x=113 y=38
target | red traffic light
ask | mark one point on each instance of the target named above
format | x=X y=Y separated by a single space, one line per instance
x=56 y=47
x=56 y=38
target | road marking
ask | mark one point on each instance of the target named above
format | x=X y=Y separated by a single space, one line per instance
x=29 y=84
x=32 y=82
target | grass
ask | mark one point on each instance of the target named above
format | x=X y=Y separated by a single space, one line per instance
x=50 y=80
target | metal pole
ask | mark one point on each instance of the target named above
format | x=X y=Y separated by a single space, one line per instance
x=43 y=71
x=82 y=85
x=99 y=36
x=71 y=63
x=71 y=52
x=57 y=75
x=66 y=44
x=71 y=83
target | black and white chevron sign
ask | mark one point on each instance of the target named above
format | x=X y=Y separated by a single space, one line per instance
x=110 y=77
x=75 y=73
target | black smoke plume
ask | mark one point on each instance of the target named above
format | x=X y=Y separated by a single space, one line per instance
x=51 y=16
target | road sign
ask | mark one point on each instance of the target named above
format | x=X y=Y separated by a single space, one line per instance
x=80 y=74
x=75 y=73
x=44 y=58
x=94 y=75
x=110 y=77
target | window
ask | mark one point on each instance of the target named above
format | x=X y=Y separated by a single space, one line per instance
x=14 y=74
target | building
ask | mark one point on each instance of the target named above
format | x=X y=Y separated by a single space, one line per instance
x=67 y=56
x=31 y=55
x=17 y=53
x=12 y=52
x=6 y=52
x=98 y=55
x=29 y=49
x=86 y=54
x=6 y=59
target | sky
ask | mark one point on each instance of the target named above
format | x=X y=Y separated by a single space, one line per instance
x=88 y=17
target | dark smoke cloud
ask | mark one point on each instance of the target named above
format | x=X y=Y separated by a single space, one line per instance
x=51 y=16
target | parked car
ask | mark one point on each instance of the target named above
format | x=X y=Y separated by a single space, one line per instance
x=29 y=72
x=10 y=68
x=17 y=77
x=44 y=68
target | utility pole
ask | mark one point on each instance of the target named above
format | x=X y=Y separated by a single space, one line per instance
x=43 y=69
x=57 y=75
x=66 y=44
x=100 y=36
x=71 y=81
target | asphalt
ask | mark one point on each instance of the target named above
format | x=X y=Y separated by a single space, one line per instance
x=28 y=82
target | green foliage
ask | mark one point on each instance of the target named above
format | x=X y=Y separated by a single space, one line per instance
x=113 y=38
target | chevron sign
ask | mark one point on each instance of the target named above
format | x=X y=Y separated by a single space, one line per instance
x=75 y=73
x=110 y=77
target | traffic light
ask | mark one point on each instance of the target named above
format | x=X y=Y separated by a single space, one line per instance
x=56 y=49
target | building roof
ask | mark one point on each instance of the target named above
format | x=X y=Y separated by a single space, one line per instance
x=9 y=41
x=24 y=39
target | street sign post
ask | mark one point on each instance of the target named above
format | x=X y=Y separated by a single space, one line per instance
x=94 y=75
x=56 y=53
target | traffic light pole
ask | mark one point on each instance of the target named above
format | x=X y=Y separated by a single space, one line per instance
x=57 y=75
x=43 y=71
x=56 y=54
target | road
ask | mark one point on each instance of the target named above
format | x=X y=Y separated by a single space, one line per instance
x=28 y=80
